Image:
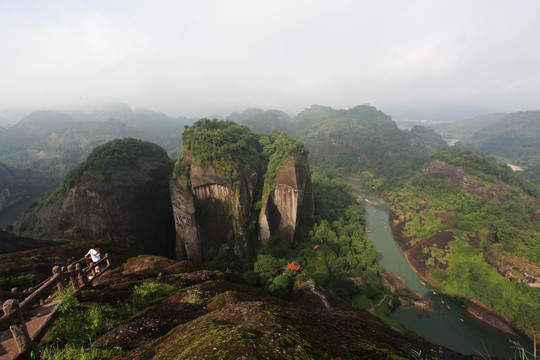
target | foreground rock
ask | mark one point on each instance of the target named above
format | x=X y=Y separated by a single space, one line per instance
x=217 y=315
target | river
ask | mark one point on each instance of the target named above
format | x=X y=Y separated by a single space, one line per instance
x=443 y=326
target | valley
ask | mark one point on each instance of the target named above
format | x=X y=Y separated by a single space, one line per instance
x=257 y=203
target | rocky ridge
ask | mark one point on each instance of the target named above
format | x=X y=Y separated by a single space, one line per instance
x=211 y=209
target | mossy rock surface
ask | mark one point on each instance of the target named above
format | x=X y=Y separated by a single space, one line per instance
x=216 y=315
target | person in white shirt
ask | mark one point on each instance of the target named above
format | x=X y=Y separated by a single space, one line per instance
x=95 y=256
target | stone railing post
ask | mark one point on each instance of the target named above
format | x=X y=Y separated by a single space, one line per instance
x=93 y=270
x=81 y=275
x=16 y=292
x=18 y=329
x=60 y=285
x=74 y=281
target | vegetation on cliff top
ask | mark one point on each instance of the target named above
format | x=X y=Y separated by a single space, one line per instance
x=223 y=144
x=279 y=148
x=105 y=159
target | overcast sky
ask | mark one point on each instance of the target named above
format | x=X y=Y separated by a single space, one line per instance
x=198 y=57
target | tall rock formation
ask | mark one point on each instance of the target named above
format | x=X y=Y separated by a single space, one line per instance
x=213 y=209
x=120 y=194
x=288 y=204
x=217 y=190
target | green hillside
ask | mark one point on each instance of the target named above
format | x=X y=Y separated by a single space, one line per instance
x=365 y=141
x=463 y=217
x=514 y=139
x=20 y=186
x=53 y=142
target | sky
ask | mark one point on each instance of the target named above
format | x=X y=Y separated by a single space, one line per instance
x=200 y=57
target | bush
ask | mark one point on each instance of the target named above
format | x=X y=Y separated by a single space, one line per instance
x=150 y=293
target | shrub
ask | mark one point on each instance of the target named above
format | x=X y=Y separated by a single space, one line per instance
x=150 y=293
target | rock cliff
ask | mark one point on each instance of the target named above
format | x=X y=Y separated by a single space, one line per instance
x=285 y=206
x=129 y=205
x=212 y=208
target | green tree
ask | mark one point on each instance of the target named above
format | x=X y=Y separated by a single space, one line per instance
x=267 y=267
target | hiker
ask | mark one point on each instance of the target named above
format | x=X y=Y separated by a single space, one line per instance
x=94 y=254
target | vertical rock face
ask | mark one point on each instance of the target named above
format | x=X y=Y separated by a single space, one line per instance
x=214 y=210
x=183 y=204
x=286 y=206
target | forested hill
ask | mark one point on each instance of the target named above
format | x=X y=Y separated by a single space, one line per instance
x=364 y=140
x=56 y=141
x=515 y=139
x=262 y=121
x=471 y=225
x=53 y=142
x=462 y=129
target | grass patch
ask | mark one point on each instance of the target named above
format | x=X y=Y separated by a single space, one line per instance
x=383 y=313
x=361 y=301
x=71 y=352
x=151 y=292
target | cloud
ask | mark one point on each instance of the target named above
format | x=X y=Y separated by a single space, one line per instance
x=219 y=56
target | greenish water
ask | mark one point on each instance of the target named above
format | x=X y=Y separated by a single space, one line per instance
x=443 y=326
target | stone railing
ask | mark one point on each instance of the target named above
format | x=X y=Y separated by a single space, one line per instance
x=16 y=304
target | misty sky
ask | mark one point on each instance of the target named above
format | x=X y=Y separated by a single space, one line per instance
x=200 y=57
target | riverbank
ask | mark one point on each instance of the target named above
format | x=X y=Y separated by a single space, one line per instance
x=474 y=307
x=449 y=325
x=484 y=313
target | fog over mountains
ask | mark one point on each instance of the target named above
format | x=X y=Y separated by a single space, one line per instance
x=197 y=59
